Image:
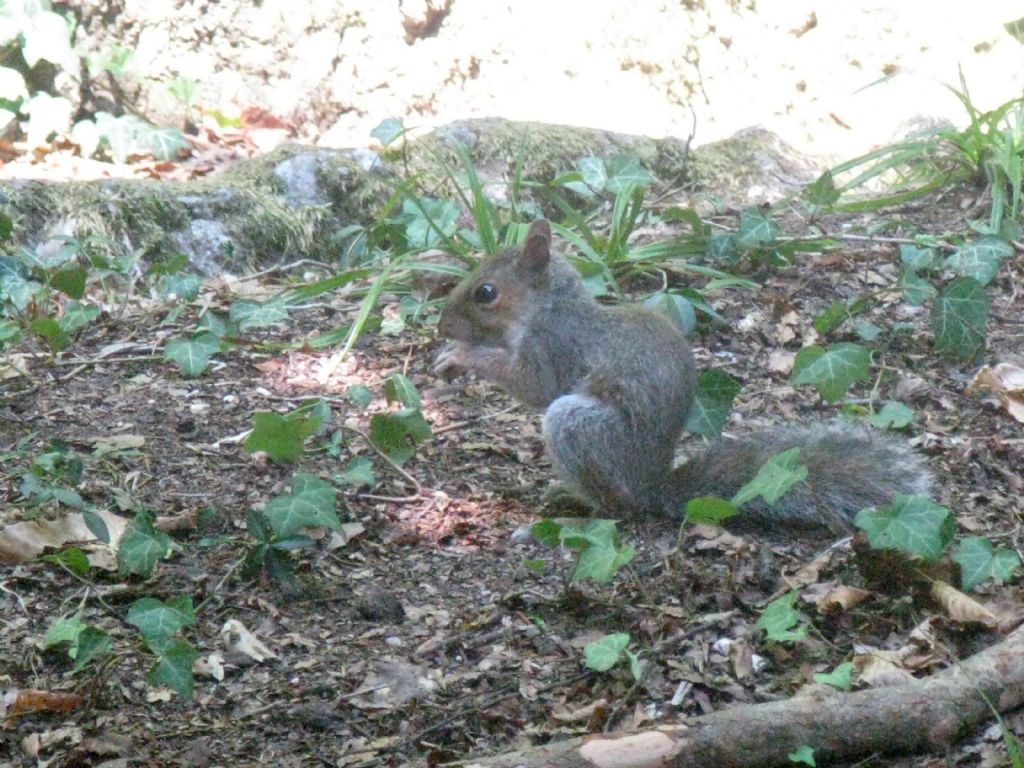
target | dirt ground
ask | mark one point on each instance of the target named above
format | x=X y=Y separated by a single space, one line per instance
x=425 y=637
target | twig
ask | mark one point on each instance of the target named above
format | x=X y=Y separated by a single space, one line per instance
x=15 y=595
x=97 y=360
x=286 y=268
x=10 y=397
x=412 y=480
x=883 y=239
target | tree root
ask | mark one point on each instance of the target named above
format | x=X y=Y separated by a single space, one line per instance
x=924 y=715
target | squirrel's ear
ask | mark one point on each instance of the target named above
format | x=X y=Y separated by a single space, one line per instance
x=537 y=248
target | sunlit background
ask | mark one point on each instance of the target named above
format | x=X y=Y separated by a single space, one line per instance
x=832 y=78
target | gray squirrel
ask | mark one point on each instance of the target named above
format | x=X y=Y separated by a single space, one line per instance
x=616 y=384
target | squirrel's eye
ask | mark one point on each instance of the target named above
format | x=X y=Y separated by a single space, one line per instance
x=485 y=293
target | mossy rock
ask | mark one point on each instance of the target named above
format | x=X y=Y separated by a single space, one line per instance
x=292 y=202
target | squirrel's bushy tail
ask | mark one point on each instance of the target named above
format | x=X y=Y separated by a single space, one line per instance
x=849 y=467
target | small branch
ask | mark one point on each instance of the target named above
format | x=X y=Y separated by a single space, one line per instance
x=923 y=715
x=287 y=268
x=412 y=480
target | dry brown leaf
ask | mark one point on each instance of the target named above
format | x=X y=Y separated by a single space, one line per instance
x=841 y=598
x=563 y=714
x=28 y=700
x=13 y=366
x=340 y=538
x=878 y=670
x=785 y=329
x=392 y=683
x=34 y=744
x=781 y=360
x=237 y=638
x=211 y=665
x=708 y=537
x=1006 y=382
x=959 y=607
x=104 y=444
x=808 y=574
x=742 y=659
x=24 y=541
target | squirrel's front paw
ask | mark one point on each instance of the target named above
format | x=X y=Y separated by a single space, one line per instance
x=450 y=359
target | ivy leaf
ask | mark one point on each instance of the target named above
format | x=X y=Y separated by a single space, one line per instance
x=916 y=290
x=892 y=416
x=600 y=555
x=359 y=473
x=77 y=315
x=70 y=280
x=802 y=754
x=183 y=286
x=360 y=395
x=49 y=330
x=776 y=476
x=831 y=371
x=174 y=667
x=425 y=217
x=676 y=308
x=534 y=564
x=723 y=248
x=838 y=312
x=163 y=143
x=46 y=36
x=71 y=558
x=593 y=172
x=12 y=89
x=158 y=620
x=281 y=437
x=387 y=130
x=636 y=667
x=979 y=560
x=398 y=433
x=779 y=619
x=10 y=333
x=980 y=260
x=257 y=525
x=17 y=290
x=915 y=525
x=756 y=229
x=710 y=409
x=192 y=355
x=958 y=318
x=547 y=533
x=47 y=115
x=841 y=677
x=65 y=630
x=311 y=502
x=604 y=653
x=93 y=643
x=867 y=331
x=709 y=510
x=141 y=547
x=248 y=314
x=216 y=323
x=822 y=193
x=916 y=259
x=399 y=389
x=625 y=172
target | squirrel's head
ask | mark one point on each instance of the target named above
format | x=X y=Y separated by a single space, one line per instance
x=500 y=293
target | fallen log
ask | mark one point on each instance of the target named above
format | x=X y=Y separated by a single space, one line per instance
x=924 y=715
